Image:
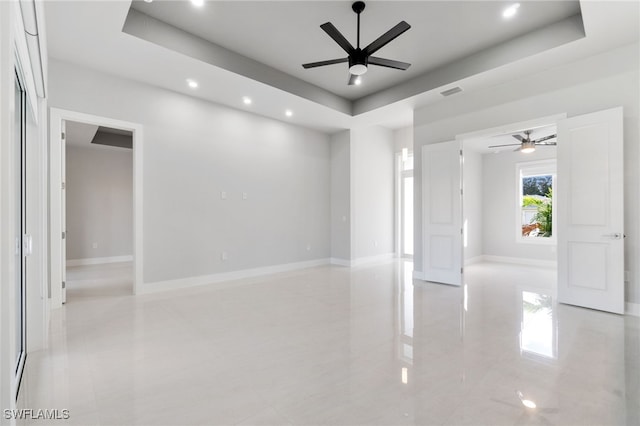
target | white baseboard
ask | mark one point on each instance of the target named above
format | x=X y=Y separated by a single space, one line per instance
x=99 y=260
x=340 y=262
x=632 y=309
x=222 y=278
x=520 y=261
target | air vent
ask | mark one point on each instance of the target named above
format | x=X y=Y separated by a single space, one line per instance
x=452 y=91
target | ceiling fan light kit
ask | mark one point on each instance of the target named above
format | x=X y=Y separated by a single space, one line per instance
x=360 y=59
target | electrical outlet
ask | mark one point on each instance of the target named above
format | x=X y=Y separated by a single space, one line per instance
x=223 y=195
x=94 y=245
x=244 y=196
x=375 y=243
x=224 y=256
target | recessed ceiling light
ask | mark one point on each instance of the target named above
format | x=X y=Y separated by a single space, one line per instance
x=510 y=11
x=148 y=1
x=246 y=100
x=288 y=113
x=198 y=3
x=192 y=83
x=358 y=81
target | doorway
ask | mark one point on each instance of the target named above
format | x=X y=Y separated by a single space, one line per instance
x=590 y=245
x=97 y=210
x=508 y=197
x=104 y=135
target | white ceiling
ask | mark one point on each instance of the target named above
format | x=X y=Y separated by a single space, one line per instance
x=284 y=35
x=89 y=33
x=79 y=134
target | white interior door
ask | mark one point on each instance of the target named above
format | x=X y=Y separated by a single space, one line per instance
x=63 y=218
x=442 y=215
x=590 y=211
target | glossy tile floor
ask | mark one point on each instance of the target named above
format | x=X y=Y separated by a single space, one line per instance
x=339 y=346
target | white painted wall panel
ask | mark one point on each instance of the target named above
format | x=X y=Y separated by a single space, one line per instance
x=99 y=202
x=193 y=151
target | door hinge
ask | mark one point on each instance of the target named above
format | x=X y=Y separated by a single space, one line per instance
x=62 y=135
x=64 y=284
x=63 y=185
x=461 y=270
x=64 y=235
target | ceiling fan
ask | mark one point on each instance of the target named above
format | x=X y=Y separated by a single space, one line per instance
x=527 y=144
x=359 y=59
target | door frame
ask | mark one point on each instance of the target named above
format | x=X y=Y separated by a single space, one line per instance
x=57 y=115
x=500 y=130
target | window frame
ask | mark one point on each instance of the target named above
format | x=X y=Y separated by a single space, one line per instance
x=529 y=169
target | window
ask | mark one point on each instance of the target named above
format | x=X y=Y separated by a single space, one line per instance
x=535 y=220
x=404 y=200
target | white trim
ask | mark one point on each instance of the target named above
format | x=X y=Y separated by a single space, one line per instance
x=632 y=309
x=55 y=208
x=99 y=260
x=340 y=262
x=372 y=259
x=221 y=279
x=520 y=261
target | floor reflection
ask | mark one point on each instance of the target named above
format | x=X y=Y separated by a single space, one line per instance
x=332 y=345
x=405 y=291
x=538 y=329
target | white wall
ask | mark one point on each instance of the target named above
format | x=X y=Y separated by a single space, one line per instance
x=403 y=138
x=372 y=191
x=195 y=150
x=472 y=201
x=499 y=201
x=341 y=196
x=603 y=81
x=99 y=202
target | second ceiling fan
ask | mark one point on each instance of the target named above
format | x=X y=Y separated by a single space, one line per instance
x=527 y=144
x=359 y=59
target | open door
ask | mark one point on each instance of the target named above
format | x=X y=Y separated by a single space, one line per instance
x=441 y=209
x=590 y=211
x=63 y=215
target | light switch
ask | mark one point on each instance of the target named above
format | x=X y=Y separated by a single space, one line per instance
x=223 y=195
x=224 y=255
x=244 y=196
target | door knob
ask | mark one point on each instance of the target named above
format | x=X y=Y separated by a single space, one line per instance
x=613 y=236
